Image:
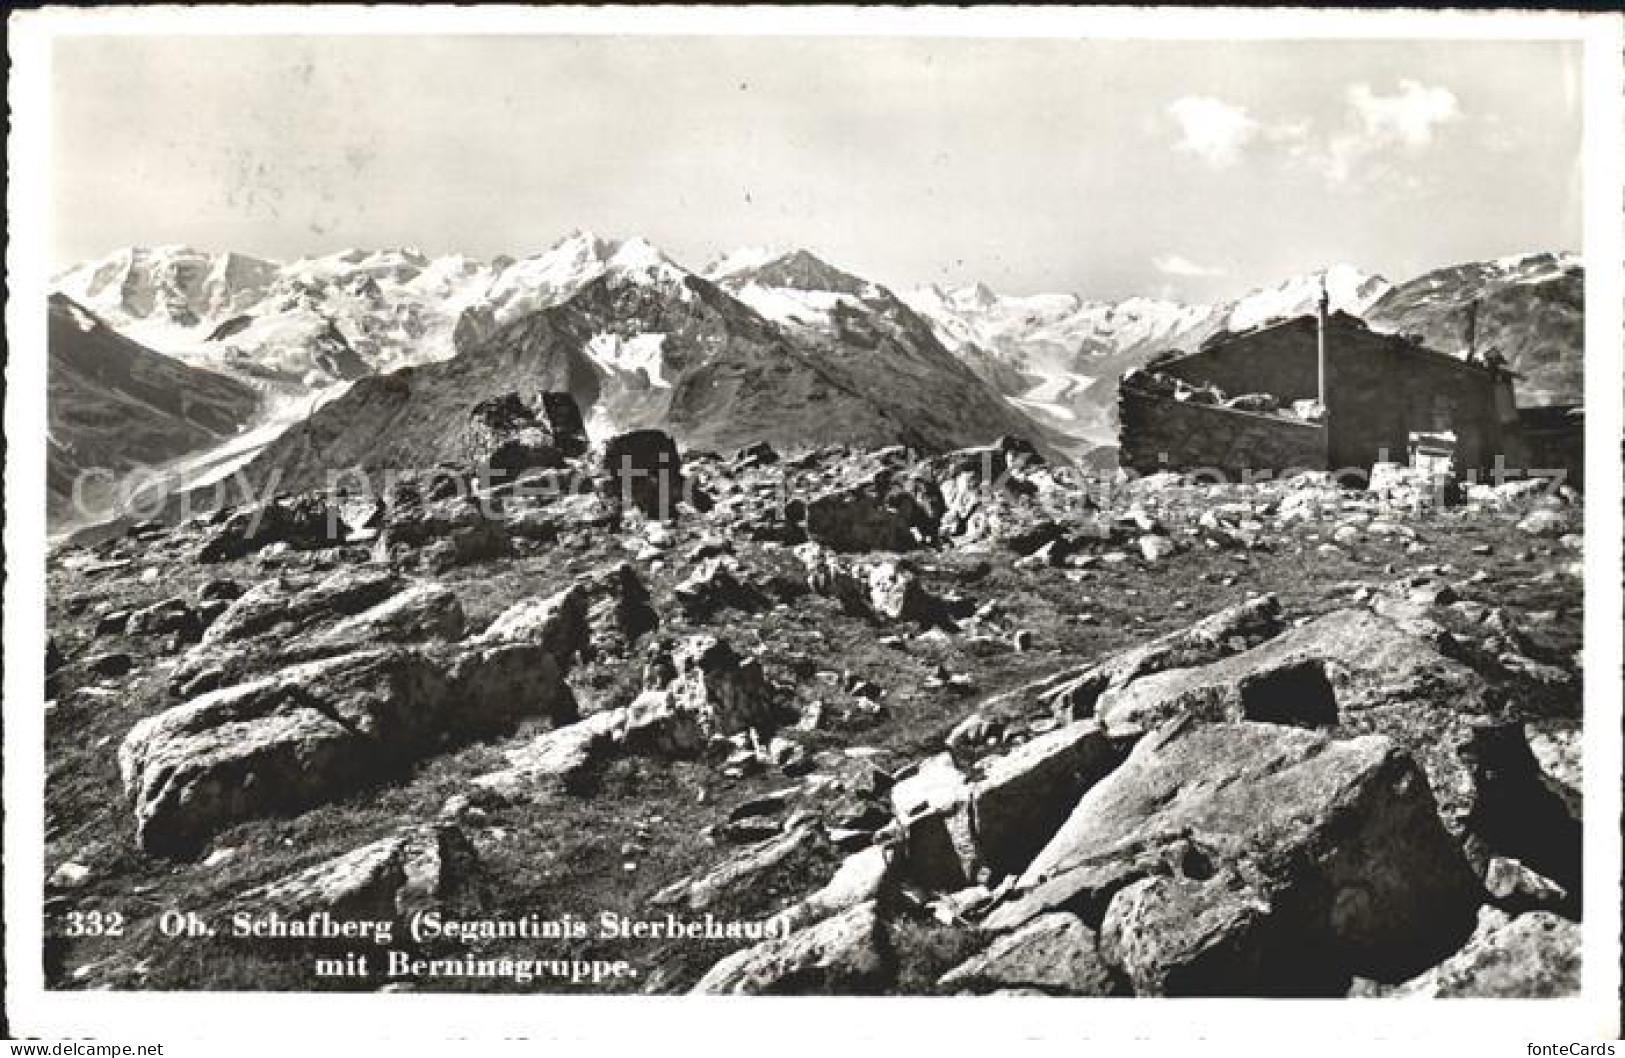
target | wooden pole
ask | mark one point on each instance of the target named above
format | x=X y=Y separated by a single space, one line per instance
x=1320 y=345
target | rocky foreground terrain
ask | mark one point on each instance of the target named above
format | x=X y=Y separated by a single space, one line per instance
x=963 y=724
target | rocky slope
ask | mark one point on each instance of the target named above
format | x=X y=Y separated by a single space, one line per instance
x=1531 y=311
x=114 y=405
x=973 y=724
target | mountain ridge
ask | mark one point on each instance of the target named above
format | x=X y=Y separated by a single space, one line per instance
x=114 y=405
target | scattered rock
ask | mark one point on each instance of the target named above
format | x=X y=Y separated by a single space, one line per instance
x=69 y=875
x=718 y=584
x=170 y=617
x=446 y=533
x=109 y=666
x=1156 y=548
x=619 y=610
x=1545 y=523
x=896 y=594
x=728 y=693
x=1229 y=631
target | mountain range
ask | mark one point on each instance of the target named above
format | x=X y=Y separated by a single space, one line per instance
x=758 y=345
x=644 y=342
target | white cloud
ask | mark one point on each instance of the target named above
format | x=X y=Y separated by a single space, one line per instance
x=1407 y=117
x=1377 y=124
x=1175 y=265
x=1374 y=125
x=1212 y=129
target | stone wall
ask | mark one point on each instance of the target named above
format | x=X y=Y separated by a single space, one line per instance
x=1554 y=439
x=1205 y=436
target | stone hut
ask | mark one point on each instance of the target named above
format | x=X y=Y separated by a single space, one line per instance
x=1252 y=401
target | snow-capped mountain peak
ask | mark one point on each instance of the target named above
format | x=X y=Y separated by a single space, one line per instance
x=744 y=259
x=641 y=261
x=1348 y=290
x=796 y=287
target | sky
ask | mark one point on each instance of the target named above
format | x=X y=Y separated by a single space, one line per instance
x=1196 y=170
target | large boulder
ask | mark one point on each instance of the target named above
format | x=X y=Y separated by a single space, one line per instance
x=986 y=496
x=290 y=606
x=419 y=611
x=564 y=760
x=931 y=809
x=888 y=590
x=280 y=743
x=416 y=868
x=455 y=531
x=726 y=691
x=644 y=471
x=1340 y=838
x=1393 y=672
x=751 y=881
x=846 y=954
x=896 y=594
x=712 y=692
x=506 y=437
x=1348 y=662
x=1177 y=936
x=956 y=824
x=313 y=730
x=657 y=724
x=831 y=577
x=1022 y=797
x=1229 y=631
x=558 y=623
x=1056 y=954
x=494 y=685
x=716 y=584
x=1532 y=956
x=620 y=612
x=562 y=416
x=169 y=617
x=292 y=619
x=303 y=522
x=876 y=514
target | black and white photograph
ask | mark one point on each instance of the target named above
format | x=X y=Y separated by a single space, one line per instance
x=1028 y=508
